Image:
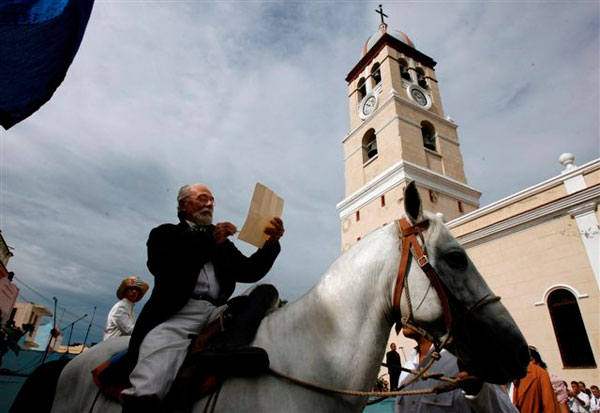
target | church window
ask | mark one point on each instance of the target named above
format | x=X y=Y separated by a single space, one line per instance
x=421 y=80
x=432 y=197
x=357 y=216
x=382 y=200
x=376 y=73
x=369 y=145
x=362 y=89
x=570 y=332
x=428 y=133
x=404 y=69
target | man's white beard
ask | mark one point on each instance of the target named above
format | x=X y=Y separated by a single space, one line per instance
x=202 y=217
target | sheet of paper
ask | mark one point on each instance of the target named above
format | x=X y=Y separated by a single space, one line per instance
x=265 y=205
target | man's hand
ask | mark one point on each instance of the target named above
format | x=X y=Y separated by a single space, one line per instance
x=222 y=231
x=276 y=231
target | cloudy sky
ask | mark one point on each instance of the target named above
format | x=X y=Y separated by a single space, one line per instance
x=164 y=93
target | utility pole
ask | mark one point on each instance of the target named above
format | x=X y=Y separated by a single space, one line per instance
x=52 y=331
x=88 y=330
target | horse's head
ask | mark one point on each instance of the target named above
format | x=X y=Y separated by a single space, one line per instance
x=483 y=335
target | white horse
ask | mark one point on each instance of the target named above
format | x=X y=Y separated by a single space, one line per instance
x=336 y=334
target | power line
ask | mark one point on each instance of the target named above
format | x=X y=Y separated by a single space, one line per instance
x=64 y=309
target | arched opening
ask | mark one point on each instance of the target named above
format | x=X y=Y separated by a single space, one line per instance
x=569 y=329
x=369 y=145
x=428 y=133
x=362 y=89
x=404 y=74
x=421 y=80
x=376 y=74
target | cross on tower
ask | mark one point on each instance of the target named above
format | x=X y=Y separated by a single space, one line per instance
x=382 y=25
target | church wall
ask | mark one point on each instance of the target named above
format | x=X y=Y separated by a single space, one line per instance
x=412 y=140
x=510 y=210
x=372 y=216
x=522 y=266
x=592 y=178
x=388 y=145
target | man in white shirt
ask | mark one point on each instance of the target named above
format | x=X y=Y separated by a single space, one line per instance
x=579 y=402
x=121 y=320
x=595 y=399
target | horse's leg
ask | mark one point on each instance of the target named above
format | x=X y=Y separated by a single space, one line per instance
x=37 y=393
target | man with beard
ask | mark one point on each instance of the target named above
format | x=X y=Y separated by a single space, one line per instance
x=477 y=397
x=195 y=267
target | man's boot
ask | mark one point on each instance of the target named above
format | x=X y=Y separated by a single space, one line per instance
x=142 y=404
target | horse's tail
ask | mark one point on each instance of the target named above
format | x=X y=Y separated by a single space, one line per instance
x=37 y=393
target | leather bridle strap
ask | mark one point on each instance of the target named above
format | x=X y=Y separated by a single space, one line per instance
x=409 y=234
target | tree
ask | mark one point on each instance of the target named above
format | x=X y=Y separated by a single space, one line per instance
x=10 y=336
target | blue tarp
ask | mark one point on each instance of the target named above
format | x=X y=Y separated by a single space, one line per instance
x=38 y=42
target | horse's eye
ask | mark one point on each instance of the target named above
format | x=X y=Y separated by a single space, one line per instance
x=456 y=259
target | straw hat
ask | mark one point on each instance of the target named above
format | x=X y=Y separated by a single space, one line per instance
x=133 y=281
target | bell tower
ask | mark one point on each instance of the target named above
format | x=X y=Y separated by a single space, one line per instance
x=398 y=133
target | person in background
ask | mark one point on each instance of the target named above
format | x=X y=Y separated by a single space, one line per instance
x=595 y=399
x=560 y=389
x=534 y=393
x=121 y=320
x=584 y=389
x=579 y=402
x=392 y=359
x=475 y=397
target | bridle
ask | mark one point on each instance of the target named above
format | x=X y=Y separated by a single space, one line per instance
x=410 y=246
x=410 y=235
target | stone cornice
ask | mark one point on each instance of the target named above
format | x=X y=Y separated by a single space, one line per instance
x=526 y=193
x=535 y=216
x=384 y=40
x=402 y=172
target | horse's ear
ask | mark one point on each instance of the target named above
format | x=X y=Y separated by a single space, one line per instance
x=412 y=202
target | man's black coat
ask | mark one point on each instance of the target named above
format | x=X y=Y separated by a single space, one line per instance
x=176 y=254
x=392 y=358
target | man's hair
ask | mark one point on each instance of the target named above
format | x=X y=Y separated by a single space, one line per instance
x=576 y=382
x=593 y=386
x=537 y=357
x=582 y=383
x=182 y=195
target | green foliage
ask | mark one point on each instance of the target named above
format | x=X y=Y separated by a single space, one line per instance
x=281 y=303
x=10 y=336
x=381 y=384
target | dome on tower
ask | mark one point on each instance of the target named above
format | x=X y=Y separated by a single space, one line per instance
x=397 y=34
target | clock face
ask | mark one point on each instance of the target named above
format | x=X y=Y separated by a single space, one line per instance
x=369 y=105
x=419 y=97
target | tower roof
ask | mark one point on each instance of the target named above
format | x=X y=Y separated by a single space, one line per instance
x=397 y=34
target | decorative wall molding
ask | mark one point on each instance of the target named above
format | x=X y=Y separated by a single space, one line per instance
x=400 y=173
x=555 y=287
x=527 y=219
x=526 y=193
